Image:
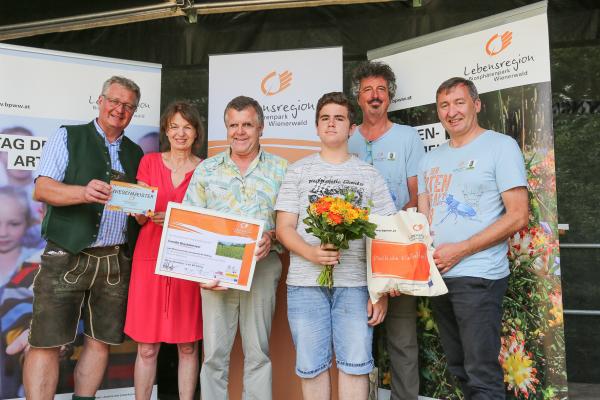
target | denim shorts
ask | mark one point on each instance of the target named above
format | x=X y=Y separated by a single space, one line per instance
x=321 y=317
x=92 y=284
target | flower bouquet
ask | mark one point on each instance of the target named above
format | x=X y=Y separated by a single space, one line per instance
x=337 y=221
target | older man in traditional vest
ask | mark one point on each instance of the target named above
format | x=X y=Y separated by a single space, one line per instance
x=86 y=264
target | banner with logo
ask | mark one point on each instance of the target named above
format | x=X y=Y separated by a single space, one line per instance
x=287 y=84
x=41 y=90
x=494 y=58
x=507 y=58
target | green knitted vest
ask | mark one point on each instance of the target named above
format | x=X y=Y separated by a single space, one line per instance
x=76 y=227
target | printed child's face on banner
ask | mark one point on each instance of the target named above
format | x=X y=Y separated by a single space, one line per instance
x=457 y=111
x=333 y=125
x=243 y=131
x=13 y=222
x=373 y=95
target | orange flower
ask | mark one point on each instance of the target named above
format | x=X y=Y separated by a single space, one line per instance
x=334 y=219
x=322 y=207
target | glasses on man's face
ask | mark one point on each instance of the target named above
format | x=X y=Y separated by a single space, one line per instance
x=114 y=103
x=369 y=155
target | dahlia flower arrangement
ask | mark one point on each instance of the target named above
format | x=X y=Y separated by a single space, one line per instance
x=336 y=221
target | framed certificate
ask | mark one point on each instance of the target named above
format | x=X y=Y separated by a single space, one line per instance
x=202 y=245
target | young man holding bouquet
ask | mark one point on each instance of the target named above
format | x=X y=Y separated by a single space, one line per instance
x=340 y=318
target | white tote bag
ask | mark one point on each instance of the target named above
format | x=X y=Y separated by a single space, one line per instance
x=401 y=257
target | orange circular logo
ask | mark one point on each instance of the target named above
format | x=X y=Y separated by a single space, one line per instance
x=417 y=227
x=497 y=43
x=274 y=83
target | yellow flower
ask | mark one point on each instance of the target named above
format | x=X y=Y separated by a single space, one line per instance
x=540 y=240
x=558 y=317
x=519 y=373
x=557 y=309
x=364 y=214
x=351 y=215
x=517 y=369
x=336 y=207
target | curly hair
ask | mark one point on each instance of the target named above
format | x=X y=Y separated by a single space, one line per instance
x=367 y=69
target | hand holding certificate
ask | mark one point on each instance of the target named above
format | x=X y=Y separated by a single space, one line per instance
x=131 y=198
x=206 y=246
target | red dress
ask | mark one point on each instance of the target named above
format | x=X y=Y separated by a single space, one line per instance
x=159 y=308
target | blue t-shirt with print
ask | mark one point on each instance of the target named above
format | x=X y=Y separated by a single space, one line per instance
x=396 y=155
x=465 y=186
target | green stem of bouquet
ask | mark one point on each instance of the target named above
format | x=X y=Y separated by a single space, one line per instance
x=325 y=278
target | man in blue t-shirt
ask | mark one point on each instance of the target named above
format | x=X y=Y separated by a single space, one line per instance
x=395 y=151
x=474 y=190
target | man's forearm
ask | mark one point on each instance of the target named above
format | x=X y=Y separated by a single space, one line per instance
x=56 y=193
x=499 y=231
x=291 y=240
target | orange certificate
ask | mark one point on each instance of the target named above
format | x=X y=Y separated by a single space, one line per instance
x=202 y=245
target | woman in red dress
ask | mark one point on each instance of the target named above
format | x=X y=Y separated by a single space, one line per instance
x=159 y=308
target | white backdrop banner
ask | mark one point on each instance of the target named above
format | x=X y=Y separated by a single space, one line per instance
x=287 y=84
x=41 y=90
x=508 y=55
x=65 y=86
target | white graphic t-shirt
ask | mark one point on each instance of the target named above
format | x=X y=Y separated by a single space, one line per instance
x=312 y=178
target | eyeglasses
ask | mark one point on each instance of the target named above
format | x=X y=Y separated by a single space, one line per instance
x=116 y=103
